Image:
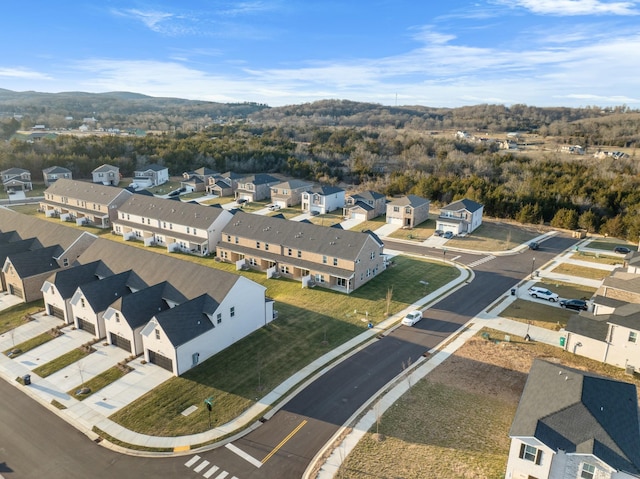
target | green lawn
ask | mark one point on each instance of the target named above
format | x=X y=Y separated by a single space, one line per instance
x=14 y=316
x=608 y=244
x=568 y=290
x=549 y=317
x=98 y=382
x=419 y=233
x=329 y=219
x=495 y=236
x=60 y=362
x=31 y=343
x=597 y=258
x=372 y=225
x=311 y=322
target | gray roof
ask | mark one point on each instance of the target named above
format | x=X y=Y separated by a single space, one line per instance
x=202 y=171
x=31 y=263
x=605 y=301
x=588 y=325
x=187 y=320
x=623 y=281
x=582 y=413
x=293 y=184
x=83 y=190
x=47 y=232
x=101 y=294
x=361 y=204
x=152 y=167
x=259 y=179
x=9 y=237
x=189 y=278
x=20 y=246
x=367 y=195
x=56 y=170
x=105 y=168
x=176 y=212
x=138 y=308
x=298 y=236
x=67 y=280
x=325 y=190
x=409 y=200
x=464 y=204
x=14 y=171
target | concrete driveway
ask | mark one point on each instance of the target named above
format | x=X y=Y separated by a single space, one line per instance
x=70 y=339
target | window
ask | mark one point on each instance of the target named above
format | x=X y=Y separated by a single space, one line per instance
x=253 y=262
x=65 y=262
x=188 y=230
x=324 y=260
x=266 y=246
x=396 y=209
x=117 y=317
x=530 y=453
x=633 y=336
x=232 y=311
x=228 y=238
x=195 y=358
x=373 y=255
x=299 y=254
x=219 y=318
x=588 y=471
x=157 y=333
x=237 y=240
x=195 y=232
x=82 y=302
x=284 y=269
x=289 y=251
x=258 y=244
x=335 y=261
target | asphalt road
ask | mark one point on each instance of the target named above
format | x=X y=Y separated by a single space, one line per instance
x=36 y=443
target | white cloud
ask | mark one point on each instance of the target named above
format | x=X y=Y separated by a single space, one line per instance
x=23 y=73
x=575 y=7
x=165 y=23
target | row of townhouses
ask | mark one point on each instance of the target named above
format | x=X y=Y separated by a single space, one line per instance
x=174 y=312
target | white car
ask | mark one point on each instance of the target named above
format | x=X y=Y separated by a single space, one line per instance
x=543 y=293
x=412 y=318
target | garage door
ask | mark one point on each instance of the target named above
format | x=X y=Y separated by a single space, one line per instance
x=121 y=342
x=57 y=312
x=160 y=360
x=87 y=326
x=16 y=291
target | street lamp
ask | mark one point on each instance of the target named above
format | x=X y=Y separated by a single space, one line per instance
x=533 y=266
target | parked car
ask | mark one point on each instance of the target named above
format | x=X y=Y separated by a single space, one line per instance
x=438 y=232
x=543 y=293
x=447 y=234
x=534 y=245
x=241 y=201
x=314 y=213
x=575 y=304
x=274 y=207
x=622 y=250
x=412 y=318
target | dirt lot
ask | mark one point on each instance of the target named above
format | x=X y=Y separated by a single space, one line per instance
x=455 y=423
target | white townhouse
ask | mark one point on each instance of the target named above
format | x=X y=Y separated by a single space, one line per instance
x=323 y=199
x=179 y=226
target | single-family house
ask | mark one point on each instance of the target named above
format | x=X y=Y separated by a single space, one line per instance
x=13 y=246
x=150 y=176
x=179 y=226
x=255 y=187
x=59 y=288
x=408 y=211
x=571 y=424
x=91 y=300
x=460 y=217
x=224 y=184
x=322 y=199
x=53 y=173
x=15 y=179
x=107 y=175
x=25 y=272
x=197 y=180
x=126 y=317
x=83 y=202
x=316 y=255
x=365 y=205
x=289 y=193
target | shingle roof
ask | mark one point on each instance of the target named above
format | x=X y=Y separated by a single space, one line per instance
x=67 y=280
x=588 y=325
x=325 y=190
x=14 y=171
x=203 y=171
x=176 y=212
x=605 y=301
x=297 y=235
x=20 y=246
x=138 y=308
x=9 y=237
x=48 y=233
x=368 y=195
x=293 y=184
x=409 y=200
x=100 y=294
x=187 y=320
x=83 y=190
x=259 y=179
x=579 y=412
x=464 y=204
x=105 y=168
x=623 y=281
x=189 y=278
x=55 y=170
x=30 y=263
x=152 y=167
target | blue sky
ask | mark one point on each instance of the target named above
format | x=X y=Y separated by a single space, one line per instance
x=406 y=52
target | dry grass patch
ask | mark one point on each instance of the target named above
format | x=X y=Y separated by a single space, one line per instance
x=581 y=271
x=455 y=423
x=496 y=236
x=597 y=258
x=537 y=314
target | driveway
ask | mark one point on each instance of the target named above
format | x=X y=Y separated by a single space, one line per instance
x=31 y=329
x=350 y=223
x=71 y=339
x=386 y=230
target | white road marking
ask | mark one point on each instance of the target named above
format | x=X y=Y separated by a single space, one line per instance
x=480 y=261
x=243 y=455
x=211 y=472
x=201 y=466
x=222 y=475
x=192 y=461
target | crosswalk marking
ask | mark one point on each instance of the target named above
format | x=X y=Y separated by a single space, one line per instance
x=201 y=466
x=192 y=461
x=481 y=261
x=211 y=472
x=222 y=475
